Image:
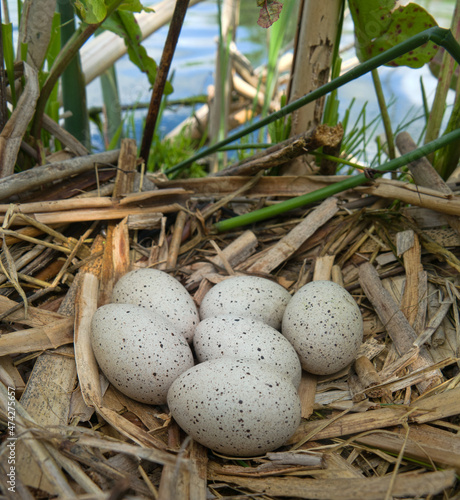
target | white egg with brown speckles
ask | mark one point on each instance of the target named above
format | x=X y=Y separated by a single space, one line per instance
x=161 y=293
x=237 y=407
x=252 y=296
x=240 y=337
x=139 y=351
x=324 y=324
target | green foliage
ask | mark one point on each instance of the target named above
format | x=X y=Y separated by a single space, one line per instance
x=380 y=26
x=96 y=11
x=166 y=153
x=124 y=24
x=91 y=11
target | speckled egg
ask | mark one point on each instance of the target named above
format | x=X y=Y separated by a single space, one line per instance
x=258 y=298
x=240 y=337
x=139 y=351
x=237 y=407
x=161 y=293
x=324 y=324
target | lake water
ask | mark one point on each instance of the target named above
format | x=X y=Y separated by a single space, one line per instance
x=193 y=66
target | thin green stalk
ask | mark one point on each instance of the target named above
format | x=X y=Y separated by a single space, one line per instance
x=384 y=113
x=323 y=193
x=438 y=35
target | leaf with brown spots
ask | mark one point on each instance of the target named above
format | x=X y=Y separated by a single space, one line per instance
x=380 y=26
x=269 y=12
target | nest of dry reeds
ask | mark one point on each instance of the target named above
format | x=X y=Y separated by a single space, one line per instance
x=385 y=427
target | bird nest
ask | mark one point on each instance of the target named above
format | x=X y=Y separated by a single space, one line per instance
x=386 y=426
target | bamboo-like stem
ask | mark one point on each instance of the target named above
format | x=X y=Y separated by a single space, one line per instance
x=162 y=74
x=384 y=113
x=321 y=194
x=438 y=35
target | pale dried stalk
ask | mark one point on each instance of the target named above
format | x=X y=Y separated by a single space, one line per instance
x=425 y=410
x=235 y=253
x=373 y=488
x=409 y=247
x=396 y=324
x=35 y=30
x=37 y=339
x=51 y=471
x=415 y=195
x=58 y=205
x=69 y=216
x=87 y=369
x=15 y=128
x=176 y=239
x=296 y=237
x=37 y=317
x=36 y=177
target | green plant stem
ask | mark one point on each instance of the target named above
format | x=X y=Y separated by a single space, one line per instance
x=438 y=35
x=68 y=52
x=338 y=187
x=384 y=113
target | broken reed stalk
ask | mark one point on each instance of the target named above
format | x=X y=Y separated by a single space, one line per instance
x=338 y=187
x=162 y=74
x=65 y=56
x=436 y=34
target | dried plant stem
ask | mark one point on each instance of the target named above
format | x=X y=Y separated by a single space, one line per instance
x=160 y=80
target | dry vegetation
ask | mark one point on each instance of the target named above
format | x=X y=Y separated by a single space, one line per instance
x=386 y=427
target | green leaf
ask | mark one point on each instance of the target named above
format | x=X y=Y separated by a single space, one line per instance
x=124 y=24
x=406 y=21
x=91 y=11
x=134 y=6
x=379 y=26
x=371 y=19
